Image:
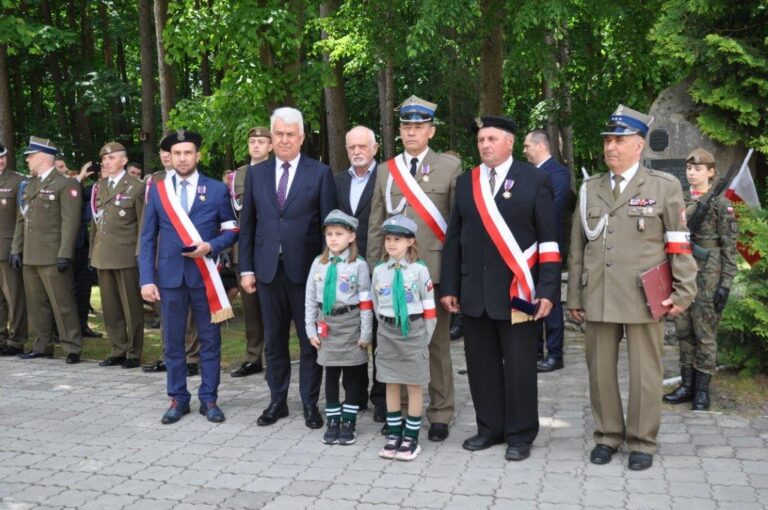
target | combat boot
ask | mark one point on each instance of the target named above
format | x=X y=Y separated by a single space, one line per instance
x=684 y=392
x=701 y=394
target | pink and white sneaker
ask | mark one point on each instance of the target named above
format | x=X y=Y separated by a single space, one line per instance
x=390 y=449
x=409 y=449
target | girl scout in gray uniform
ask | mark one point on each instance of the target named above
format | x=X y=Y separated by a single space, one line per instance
x=403 y=299
x=339 y=319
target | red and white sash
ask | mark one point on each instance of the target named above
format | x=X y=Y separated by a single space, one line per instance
x=218 y=302
x=417 y=199
x=519 y=262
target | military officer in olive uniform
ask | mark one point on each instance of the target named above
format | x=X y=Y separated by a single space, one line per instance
x=44 y=241
x=423 y=190
x=11 y=283
x=627 y=220
x=259 y=147
x=116 y=206
x=714 y=231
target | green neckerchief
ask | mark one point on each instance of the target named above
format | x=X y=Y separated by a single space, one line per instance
x=329 y=290
x=399 y=302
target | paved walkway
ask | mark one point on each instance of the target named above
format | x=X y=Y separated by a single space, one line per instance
x=88 y=437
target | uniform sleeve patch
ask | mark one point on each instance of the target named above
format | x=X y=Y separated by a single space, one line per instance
x=73 y=192
x=682 y=216
x=430 y=285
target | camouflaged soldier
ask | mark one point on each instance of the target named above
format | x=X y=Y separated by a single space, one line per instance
x=713 y=233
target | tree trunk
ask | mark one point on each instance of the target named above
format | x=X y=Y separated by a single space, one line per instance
x=148 y=124
x=386 y=87
x=83 y=130
x=54 y=66
x=564 y=91
x=165 y=71
x=492 y=59
x=552 y=126
x=6 y=117
x=335 y=104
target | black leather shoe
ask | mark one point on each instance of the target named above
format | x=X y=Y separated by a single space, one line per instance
x=247 y=368
x=549 y=365
x=112 y=361
x=312 y=418
x=379 y=414
x=478 y=442
x=601 y=454
x=157 y=366
x=34 y=355
x=438 y=432
x=212 y=412
x=518 y=451
x=272 y=413
x=131 y=363
x=9 y=350
x=193 y=369
x=175 y=412
x=89 y=333
x=72 y=359
x=639 y=461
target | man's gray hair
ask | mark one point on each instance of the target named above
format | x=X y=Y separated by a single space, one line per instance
x=288 y=116
x=540 y=136
x=367 y=130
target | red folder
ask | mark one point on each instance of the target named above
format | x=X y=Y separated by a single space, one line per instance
x=657 y=285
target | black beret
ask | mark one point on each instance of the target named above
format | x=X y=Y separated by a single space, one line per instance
x=181 y=136
x=496 y=121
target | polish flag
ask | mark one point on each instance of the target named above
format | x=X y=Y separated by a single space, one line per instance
x=742 y=190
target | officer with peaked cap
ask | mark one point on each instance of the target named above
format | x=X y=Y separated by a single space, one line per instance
x=419 y=183
x=626 y=221
x=44 y=242
x=11 y=283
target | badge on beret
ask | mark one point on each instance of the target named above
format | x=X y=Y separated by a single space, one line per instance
x=479 y=123
x=180 y=135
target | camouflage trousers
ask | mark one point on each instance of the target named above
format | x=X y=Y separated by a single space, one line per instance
x=697 y=334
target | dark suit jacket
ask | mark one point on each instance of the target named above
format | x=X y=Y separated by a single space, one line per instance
x=363 y=212
x=561 y=184
x=160 y=241
x=473 y=269
x=298 y=227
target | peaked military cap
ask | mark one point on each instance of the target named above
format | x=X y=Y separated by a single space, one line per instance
x=37 y=144
x=700 y=156
x=626 y=121
x=3 y=150
x=181 y=136
x=110 y=148
x=495 y=121
x=259 y=131
x=399 y=225
x=416 y=110
x=337 y=217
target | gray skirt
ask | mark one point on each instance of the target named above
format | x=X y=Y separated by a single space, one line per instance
x=339 y=348
x=402 y=360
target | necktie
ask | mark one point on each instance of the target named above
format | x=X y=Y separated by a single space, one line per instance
x=112 y=184
x=414 y=165
x=184 y=199
x=282 y=187
x=329 y=290
x=399 y=302
x=617 y=186
x=492 y=180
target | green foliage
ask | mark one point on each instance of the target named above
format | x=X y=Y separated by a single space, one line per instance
x=743 y=335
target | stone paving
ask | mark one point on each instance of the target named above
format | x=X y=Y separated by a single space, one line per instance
x=87 y=437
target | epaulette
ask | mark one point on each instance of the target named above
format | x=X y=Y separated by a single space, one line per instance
x=594 y=176
x=663 y=175
x=448 y=156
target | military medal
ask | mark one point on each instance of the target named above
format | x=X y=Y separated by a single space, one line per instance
x=508 y=183
x=51 y=197
x=117 y=202
x=122 y=212
x=641 y=225
x=4 y=201
x=202 y=198
x=425 y=173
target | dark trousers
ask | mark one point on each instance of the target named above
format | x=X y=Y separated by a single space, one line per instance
x=378 y=394
x=552 y=331
x=282 y=301
x=175 y=305
x=353 y=379
x=83 y=277
x=501 y=366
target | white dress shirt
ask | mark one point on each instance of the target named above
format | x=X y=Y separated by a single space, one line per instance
x=291 y=172
x=191 y=188
x=46 y=174
x=626 y=177
x=115 y=180
x=408 y=157
x=357 y=185
x=501 y=174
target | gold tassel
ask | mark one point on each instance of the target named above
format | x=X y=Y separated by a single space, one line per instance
x=222 y=315
x=518 y=317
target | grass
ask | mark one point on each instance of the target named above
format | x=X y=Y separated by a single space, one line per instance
x=733 y=393
x=232 y=338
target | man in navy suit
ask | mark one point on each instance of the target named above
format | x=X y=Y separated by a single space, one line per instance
x=354 y=187
x=188 y=218
x=536 y=148
x=285 y=201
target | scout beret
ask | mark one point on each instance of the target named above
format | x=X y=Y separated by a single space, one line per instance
x=259 y=131
x=495 y=121
x=700 y=156
x=337 y=217
x=181 y=136
x=399 y=225
x=626 y=121
x=110 y=148
x=3 y=150
x=37 y=144
x=416 y=110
